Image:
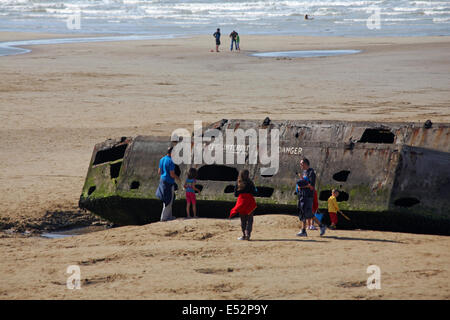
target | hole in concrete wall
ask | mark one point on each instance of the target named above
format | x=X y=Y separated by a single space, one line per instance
x=229 y=189
x=341 y=175
x=267 y=175
x=325 y=194
x=135 y=185
x=343 y=196
x=199 y=187
x=114 y=169
x=217 y=173
x=111 y=154
x=377 y=136
x=91 y=190
x=406 y=202
x=264 y=192
x=177 y=170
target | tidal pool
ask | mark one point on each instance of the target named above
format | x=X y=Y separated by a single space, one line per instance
x=304 y=53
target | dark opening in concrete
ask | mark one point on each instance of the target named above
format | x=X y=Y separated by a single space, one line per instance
x=229 y=189
x=377 y=136
x=135 y=185
x=264 y=192
x=343 y=196
x=341 y=175
x=406 y=202
x=325 y=194
x=111 y=154
x=177 y=170
x=114 y=169
x=91 y=190
x=428 y=124
x=199 y=187
x=217 y=173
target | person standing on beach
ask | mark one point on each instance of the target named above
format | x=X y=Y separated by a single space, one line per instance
x=314 y=210
x=237 y=42
x=245 y=204
x=217 y=36
x=306 y=185
x=233 y=36
x=333 y=208
x=166 y=188
x=190 y=188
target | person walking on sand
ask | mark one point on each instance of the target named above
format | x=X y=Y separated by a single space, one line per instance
x=238 y=48
x=317 y=215
x=306 y=185
x=245 y=204
x=166 y=188
x=314 y=210
x=333 y=208
x=190 y=193
x=233 y=36
x=217 y=36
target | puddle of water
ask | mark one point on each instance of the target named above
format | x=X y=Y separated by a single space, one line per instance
x=8 y=51
x=304 y=53
x=10 y=47
x=73 y=232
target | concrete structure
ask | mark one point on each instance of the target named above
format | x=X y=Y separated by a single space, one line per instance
x=388 y=173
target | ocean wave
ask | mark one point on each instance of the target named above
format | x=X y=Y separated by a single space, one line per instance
x=433 y=13
x=166 y=14
x=440 y=20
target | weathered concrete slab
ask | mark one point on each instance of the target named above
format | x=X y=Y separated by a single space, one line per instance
x=386 y=168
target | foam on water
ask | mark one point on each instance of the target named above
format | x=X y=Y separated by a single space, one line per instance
x=201 y=16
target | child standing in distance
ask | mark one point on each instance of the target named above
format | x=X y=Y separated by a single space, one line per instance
x=245 y=204
x=237 y=42
x=190 y=192
x=333 y=208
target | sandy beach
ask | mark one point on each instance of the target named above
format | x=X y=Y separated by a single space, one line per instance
x=201 y=259
x=59 y=100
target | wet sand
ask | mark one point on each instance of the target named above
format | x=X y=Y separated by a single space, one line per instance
x=59 y=100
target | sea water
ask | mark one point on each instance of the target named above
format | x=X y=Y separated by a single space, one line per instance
x=193 y=17
x=304 y=53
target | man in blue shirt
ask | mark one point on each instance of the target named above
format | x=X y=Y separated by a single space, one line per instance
x=305 y=193
x=166 y=188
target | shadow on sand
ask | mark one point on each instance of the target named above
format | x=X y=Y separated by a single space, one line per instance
x=298 y=240
x=360 y=239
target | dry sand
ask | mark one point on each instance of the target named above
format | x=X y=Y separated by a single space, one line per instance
x=59 y=100
x=201 y=259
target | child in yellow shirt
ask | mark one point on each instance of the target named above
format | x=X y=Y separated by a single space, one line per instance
x=333 y=208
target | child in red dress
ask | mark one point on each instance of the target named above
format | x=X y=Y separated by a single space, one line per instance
x=245 y=204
